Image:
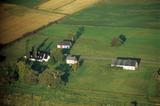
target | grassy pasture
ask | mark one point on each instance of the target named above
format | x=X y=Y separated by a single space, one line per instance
x=142 y=43
x=96 y=76
x=119 y=14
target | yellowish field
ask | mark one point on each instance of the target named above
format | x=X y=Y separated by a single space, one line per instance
x=54 y=4
x=67 y=6
x=17 y=21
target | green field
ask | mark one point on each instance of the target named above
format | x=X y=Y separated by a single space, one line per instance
x=95 y=83
x=120 y=13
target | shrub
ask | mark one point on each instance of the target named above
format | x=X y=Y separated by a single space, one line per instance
x=8 y=73
x=26 y=74
x=115 y=42
x=57 y=54
x=50 y=78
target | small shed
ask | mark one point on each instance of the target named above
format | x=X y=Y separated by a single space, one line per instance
x=65 y=44
x=127 y=63
x=71 y=60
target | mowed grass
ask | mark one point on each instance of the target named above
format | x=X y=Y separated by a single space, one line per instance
x=98 y=76
x=96 y=42
x=121 y=13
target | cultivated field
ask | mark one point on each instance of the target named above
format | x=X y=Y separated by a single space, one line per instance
x=17 y=21
x=67 y=6
x=54 y=4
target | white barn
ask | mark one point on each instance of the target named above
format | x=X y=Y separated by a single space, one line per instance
x=71 y=60
x=126 y=63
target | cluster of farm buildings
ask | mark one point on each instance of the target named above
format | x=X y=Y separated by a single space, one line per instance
x=126 y=63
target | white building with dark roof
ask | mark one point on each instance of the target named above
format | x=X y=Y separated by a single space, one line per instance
x=71 y=60
x=126 y=63
x=39 y=56
x=65 y=44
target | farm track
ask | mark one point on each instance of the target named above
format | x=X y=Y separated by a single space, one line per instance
x=114 y=26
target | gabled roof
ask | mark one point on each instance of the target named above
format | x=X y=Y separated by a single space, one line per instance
x=71 y=58
x=126 y=61
x=65 y=43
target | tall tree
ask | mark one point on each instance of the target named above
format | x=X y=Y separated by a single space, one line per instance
x=57 y=54
x=26 y=74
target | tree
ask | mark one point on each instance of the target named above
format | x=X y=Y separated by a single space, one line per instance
x=122 y=38
x=115 y=42
x=26 y=74
x=75 y=67
x=8 y=73
x=50 y=78
x=57 y=55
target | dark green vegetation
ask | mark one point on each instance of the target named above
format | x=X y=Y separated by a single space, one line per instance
x=95 y=83
x=28 y=3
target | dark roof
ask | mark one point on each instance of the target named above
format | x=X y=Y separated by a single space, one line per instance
x=70 y=57
x=126 y=61
x=65 y=43
x=39 y=54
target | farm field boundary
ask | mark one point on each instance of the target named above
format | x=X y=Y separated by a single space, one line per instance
x=67 y=7
x=16 y=21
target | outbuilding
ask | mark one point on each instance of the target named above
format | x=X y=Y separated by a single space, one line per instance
x=127 y=63
x=71 y=60
x=65 y=44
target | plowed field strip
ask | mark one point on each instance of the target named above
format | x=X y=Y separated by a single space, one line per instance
x=66 y=6
x=54 y=4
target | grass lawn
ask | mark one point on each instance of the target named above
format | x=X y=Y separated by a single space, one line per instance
x=97 y=75
x=121 y=13
x=142 y=43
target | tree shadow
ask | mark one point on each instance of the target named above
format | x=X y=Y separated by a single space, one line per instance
x=66 y=69
x=122 y=38
x=42 y=44
x=38 y=67
x=48 y=48
x=79 y=32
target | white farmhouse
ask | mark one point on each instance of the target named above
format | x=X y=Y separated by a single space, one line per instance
x=126 y=63
x=71 y=60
